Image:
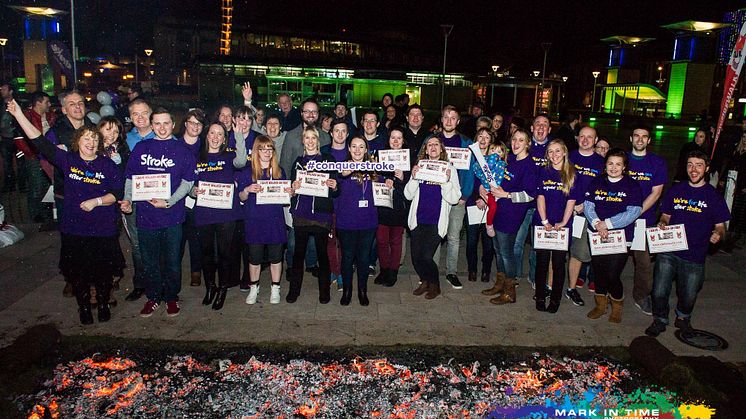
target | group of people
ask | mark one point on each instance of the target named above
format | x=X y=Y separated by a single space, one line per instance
x=208 y=187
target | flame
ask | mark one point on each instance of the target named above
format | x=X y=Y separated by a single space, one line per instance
x=383 y=367
x=114 y=364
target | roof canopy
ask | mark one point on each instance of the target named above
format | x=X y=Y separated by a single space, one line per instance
x=637 y=91
x=696 y=26
x=626 y=40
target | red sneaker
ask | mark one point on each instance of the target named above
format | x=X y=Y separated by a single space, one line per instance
x=150 y=308
x=580 y=283
x=172 y=308
x=592 y=287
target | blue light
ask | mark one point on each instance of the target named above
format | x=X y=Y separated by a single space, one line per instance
x=611 y=55
x=56 y=27
x=691 y=48
x=27 y=27
x=675 y=47
x=621 y=57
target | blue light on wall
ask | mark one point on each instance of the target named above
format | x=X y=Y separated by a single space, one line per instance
x=27 y=27
x=56 y=26
x=691 y=48
x=621 y=57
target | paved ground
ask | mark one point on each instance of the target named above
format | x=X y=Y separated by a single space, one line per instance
x=32 y=295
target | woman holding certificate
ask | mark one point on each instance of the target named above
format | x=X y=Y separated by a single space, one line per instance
x=555 y=202
x=89 y=230
x=264 y=225
x=514 y=196
x=312 y=216
x=216 y=211
x=357 y=220
x=392 y=221
x=612 y=202
x=428 y=216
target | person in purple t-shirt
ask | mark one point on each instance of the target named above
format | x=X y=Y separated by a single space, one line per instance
x=217 y=227
x=649 y=170
x=613 y=201
x=89 y=230
x=357 y=220
x=429 y=216
x=159 y=219
x=264 y=225
x=699 y=207
x=556 y=195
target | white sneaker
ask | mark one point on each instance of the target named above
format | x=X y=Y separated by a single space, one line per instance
x=275 y=296
x=253 y=293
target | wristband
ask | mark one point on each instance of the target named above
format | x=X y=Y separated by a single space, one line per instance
x=544 y=222
x=99 y=201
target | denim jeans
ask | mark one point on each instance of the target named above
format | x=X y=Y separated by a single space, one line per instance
x=474 y=234
x=504 y=244
x=38 y=183
x=160 y=256
x=138 y=277
x=520 y=243
x=453 y=236
x=356 y=246
x=689 y=279
x=190 y=233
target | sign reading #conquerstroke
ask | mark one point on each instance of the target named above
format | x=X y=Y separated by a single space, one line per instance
x=147 y=187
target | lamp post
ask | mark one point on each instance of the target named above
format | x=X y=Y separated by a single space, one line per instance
x=492 y=85
x=148 y=53
x=3 y=41
x=446 y=32
x=593 y=95
x=545 y=46
x=559 y=92
x=74 y=45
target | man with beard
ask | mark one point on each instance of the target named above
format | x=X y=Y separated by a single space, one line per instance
x=293 y=146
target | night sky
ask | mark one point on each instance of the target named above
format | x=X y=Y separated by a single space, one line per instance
x=508 y=33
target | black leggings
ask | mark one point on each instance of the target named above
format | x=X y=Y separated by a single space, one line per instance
x=608 y=271
x=221 y=237
x=424 y=243
x=320 y=237
x=558 y=271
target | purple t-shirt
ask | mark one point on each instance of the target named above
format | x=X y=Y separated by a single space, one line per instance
x=350 y=215
x=699 y=209
x=454 y=141
x=428 y=206
x=649 y=171
x=339 y=155
x=551 y=187
x=217 y=169
x=520 y=175
x=263 y=224
x=162 y=156
x=84 y=181
x=612 y=198
x=194 y=148
x=249 y=142
x=538 y=153
x=587 y=168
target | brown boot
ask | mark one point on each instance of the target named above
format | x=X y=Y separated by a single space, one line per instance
x=498 y=287
x=508 y=295
x=616 y=310
x=423 y=288
x=196 y=279
x=602 y=301
x=432 y=292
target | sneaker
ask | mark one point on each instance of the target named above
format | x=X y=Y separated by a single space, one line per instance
x=656 y=328
x=645 y=305
x=253 y=293
x=592 y=287
x=574 y=296
x=274 y=298
x=579 y=283
x=371 y=270
x=172 y=308
x=245 y=287
x=683 y=324
x=150 y=308
x=453 y=280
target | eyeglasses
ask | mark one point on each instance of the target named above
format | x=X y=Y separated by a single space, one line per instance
x=306 y=111
x=194 y=124
x=270 y=149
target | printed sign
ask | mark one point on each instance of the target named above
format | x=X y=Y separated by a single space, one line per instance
x=615 y=243
x=398 y=158
x=382 y=195
x=672 y=239
x=432 y=171
x=147 y=187
x=459 y=157
x=312 y=183
x=551 y=239
x=215 y=195
x=273 y=192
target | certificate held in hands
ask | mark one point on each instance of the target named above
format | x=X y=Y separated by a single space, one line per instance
x=399 y=158
x=551 y=239
x=382 y=195
x=312 y=183
x=273 y=192
x=432 y=171
x=615 y=243
x=672 y=239
x=147 y=187
x=215 y=195
x=459 y=157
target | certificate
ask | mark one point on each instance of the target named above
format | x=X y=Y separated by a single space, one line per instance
x=578 y=224
x=432 y=171
x=215 y=195
x=672 y=239
x=476 y=215
x=312 y=183
x=399 y=158
x=273 y=192
x=147 y=187
x=382 y=196
x=638 y=242
x=460 y=157
x=615 y=243
x=551 y=239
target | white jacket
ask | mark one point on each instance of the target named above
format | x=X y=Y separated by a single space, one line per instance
x=450 y=194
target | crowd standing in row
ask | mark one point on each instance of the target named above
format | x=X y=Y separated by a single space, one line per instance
x=535 y=183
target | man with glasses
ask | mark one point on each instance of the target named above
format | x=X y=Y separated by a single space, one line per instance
x=293 y=146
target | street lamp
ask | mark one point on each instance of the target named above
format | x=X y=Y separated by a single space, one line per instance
x=559 y=92
x=536 y=73
x=3 y=41
x=494 y=68
x=447 y=28
x=593 y=95
x=148 y=53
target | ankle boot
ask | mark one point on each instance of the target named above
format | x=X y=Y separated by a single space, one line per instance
x=324 y=284
x=616 y=310
x=391 y=278
x=424 y=286
x=346 y=294
x=599 y=310
x=104 y=295
x=362 y=296
x=432 y=291
x=508 y=295
x=381 y=277
x=82 y=294
x=210 y=291
x=498 y=287
x=220 y=298
x=104 y=312
x=86 y=317
x=295 y=276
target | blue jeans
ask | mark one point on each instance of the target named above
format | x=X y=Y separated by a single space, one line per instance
x=473 y=235
x=689 y=279
x=504 y=245
x=355 y=245
x=190 y=233
x=520 y=243
x=160 y=255
x=311 y=258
